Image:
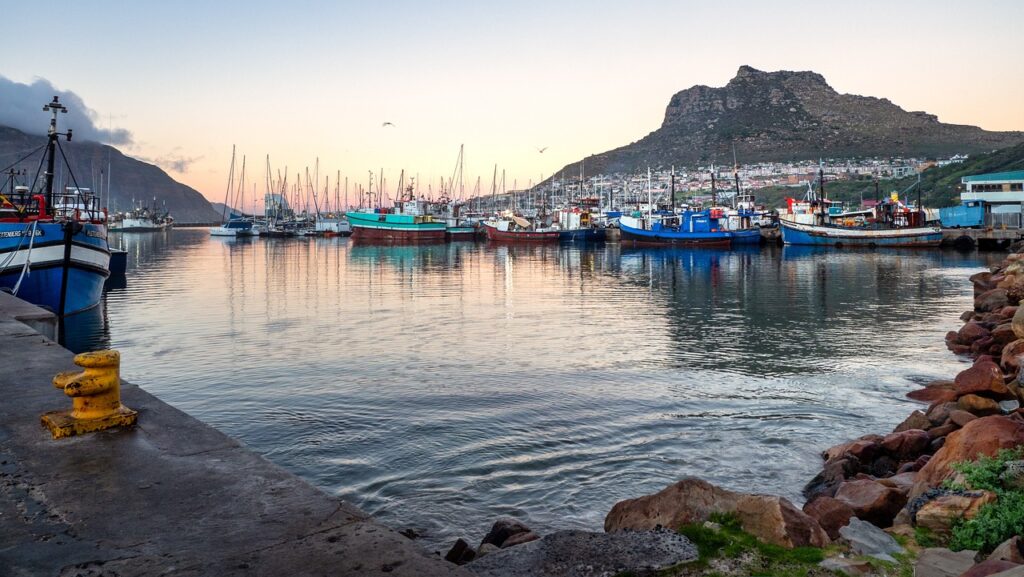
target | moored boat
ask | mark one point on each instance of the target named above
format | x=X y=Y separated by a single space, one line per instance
x=396 y=227
x=53 y=248
x=518 y=229
x=838 y=236
x=689 y=228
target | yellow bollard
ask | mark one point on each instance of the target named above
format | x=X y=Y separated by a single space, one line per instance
x=95 y=397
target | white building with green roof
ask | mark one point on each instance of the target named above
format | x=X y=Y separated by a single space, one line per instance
x=1002 y=194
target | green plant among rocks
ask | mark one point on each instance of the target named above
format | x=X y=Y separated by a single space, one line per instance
x=995 y=522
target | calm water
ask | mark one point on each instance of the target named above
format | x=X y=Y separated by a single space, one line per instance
x=440 y=387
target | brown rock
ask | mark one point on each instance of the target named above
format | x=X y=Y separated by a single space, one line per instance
x=982 y=282
x=1010 y=550
x=831 y=476
x=991 y=300
x=502 y=530
x=984 y=436
x=831 y=514
x=1018 y=323
x=871 y=501
x=960 y=349
x=966 y=316
x=902 y=482
x=862 y=449
x=938 y=562
x=939 y=514
x=519 y=539
x=986 y=568
x=907 y=444
x=916 y=420
x=961 y=418
x=1003 y=335
x=933 y=395
x=938 y=413
x=978 y=405
x=971 y=332
x=983 y=377
x=942 y=431
x=1010 y=357
x=772 y=519
x=460 y=553
x=1008 y=312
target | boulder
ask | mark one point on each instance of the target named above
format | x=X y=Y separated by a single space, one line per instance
x=519 y=539
x=1010 y=357
x=831 y=476
x=938 y=414
x=867 y=539
x=587 y=554
x=460 y=553
x=844 y=566
x=939 y=514
x=961 y=418
x=982 y=377
x=1017 y=322
x=982 y=282
x=991 y=300
x=486 y=549
x=1003 y=335
x=986 y=568
x=872 y=501
x=769 y=518
x=1010 y=550
x=1012 y=476
x=906 y=444
x=940 y=432
x=916 y=420
x=902 y=482
x=938 y=562
x=972 y=331
x=984 y=436
x=978 y=405
x=933 y=396
x=831 y=514
x=1008 y=312
x=502 y=530
x=966 y=316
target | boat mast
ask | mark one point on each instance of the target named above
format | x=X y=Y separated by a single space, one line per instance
x=649 y=199
x=51 y=145
x=672 y=190
x=714 y=193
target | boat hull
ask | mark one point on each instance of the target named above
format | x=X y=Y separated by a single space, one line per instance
x=390 y=228
x=746 y=236
x=460 y=233
x=88 y=269
x=640 y=237
x=493 y=234
x=582 y=235
x=806 y=234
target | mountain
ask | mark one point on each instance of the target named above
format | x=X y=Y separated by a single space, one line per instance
x=131 y=179
x=784 y=116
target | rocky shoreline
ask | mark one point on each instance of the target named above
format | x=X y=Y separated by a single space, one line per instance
x=889 y=497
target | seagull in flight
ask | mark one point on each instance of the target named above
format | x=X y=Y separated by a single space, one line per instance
x=387 y=124
x=541 y=150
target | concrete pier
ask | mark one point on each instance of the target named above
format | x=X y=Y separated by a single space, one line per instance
x=171 y=496
x=983 y=238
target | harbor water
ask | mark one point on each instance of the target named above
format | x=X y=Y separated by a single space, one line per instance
x=440 y=387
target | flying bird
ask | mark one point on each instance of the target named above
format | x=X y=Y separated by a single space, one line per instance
x=541 y=150
x=386 y=124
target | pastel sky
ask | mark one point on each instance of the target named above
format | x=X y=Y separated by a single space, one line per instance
x=300 y=80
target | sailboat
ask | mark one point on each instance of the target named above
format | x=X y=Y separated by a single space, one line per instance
x=233 y=224
x=53 y=247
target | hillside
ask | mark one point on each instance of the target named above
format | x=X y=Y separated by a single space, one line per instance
x=785 y=116
x=939 y=185
x=131 y=179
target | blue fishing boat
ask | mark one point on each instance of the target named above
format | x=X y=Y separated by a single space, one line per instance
x=688 y=228
x=888 y=224
x=53 y=247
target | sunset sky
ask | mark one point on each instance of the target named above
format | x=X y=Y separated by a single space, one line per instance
x=299 y=80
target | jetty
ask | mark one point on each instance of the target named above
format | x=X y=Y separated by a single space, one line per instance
x=169 y=496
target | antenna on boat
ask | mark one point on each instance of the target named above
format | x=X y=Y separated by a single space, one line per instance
x=672 y=190
x=714 y=193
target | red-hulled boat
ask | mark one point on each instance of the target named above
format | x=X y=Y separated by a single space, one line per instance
x=517 y=229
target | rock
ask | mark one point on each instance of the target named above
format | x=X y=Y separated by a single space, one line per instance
x=1003 y=335
x=934 y=394
x=851 y=567
x=916 y=420
x=961 y=418
x=519 y=539
x=831 y=476
x=938 y=562
x=982 y=282
x=939 y=514
x=973 y=331
x=503 y=529
x=939 y=413
x=906 y=444
x=830 y=513
x=1007 y=407
x=984 y=436
x=1008 y=312
x=943 y=431
x=986 y=568
x=982 y=377
x=1013 y=475
x=872 y=501
x=1010 y=550
x=769 y=518
x=902 y=482
x=1010 y=357
x=867 y=539
x=966 y=316
x=991 y=300
x=460 y=553
x=978 y=405
x=586 y=554
x=486 y=549
x=1018 y=323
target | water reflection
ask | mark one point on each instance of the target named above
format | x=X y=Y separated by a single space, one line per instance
x=441 y=386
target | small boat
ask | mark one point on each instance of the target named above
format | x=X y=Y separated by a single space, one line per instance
x=689 y=228
x=576 y=225
x=53 y=247
x=331 y=226
x=825 y=223
x=517 y=229
x=408 y=223
x=141 y=220
x=235 y=226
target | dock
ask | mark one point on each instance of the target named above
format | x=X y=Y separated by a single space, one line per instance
x=983 y=238
x=170 y=496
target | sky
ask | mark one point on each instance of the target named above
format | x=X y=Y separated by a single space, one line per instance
x=180 y=83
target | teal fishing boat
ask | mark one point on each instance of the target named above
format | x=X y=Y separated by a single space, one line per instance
x=405 y=226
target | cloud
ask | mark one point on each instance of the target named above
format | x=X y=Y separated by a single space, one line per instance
x=21 y=107
x=173 y=161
